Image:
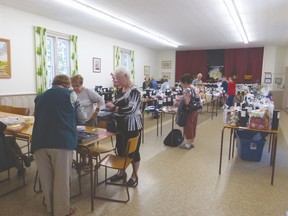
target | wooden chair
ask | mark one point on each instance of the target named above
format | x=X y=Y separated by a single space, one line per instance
x=15 y=110
x=112 y=161
x=4 y=108
x=98 y=149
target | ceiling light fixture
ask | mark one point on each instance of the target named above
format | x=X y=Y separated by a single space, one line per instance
x=230 y=4
x=80 y=5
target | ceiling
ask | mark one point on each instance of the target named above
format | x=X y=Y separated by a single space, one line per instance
x=195 y=24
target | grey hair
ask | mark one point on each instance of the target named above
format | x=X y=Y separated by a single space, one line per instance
x=122 y=71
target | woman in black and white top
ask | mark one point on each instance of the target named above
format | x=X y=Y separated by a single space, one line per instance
x=127 y=108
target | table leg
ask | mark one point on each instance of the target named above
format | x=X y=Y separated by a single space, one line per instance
x=230 y=141
x=157 y=125
x=217 y=105
x=161 y=124
x=270 y=140
x=221 y=151
x=212 y=111
x=143 y=127
x=274 y=149
x=172 y=130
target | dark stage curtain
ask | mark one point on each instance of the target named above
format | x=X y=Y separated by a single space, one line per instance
x=193 y=62
x=240 y=62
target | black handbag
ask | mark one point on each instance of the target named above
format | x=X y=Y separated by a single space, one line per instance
x=195 y=102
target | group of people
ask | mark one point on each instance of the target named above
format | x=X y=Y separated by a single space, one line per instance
x=149 y=83
x=57 y=112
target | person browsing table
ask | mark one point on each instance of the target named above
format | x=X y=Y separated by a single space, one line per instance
x=192 y=118
x=54 y=138
x=129 y=120
x=89 y=99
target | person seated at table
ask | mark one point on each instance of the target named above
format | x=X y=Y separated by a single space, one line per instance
x=13 y=149
x=146 y=83
x=153 y=84
x=165 y=85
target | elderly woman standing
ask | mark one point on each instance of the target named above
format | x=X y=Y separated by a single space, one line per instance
x=190 y=127
x=89 y=99
x=129 y=120
x=54 y=138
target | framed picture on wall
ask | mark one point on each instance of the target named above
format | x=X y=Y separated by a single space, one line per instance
x=268 y=75
x=278 y=81
x=268 y=80
x=166 y=64
x=5 y=62
x=146 y=70
x=96 y=65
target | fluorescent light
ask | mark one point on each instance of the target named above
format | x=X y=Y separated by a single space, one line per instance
x=88 y=9
x=230 y=4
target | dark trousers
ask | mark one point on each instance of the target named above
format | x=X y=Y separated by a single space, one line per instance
x=230 y=101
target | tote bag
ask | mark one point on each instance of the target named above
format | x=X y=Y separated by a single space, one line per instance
x=181 y=115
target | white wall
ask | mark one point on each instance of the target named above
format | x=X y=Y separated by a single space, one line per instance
x=169 y=55
x=275 y=60
x=17 y=26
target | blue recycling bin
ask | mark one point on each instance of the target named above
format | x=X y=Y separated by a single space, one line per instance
x=250 y=145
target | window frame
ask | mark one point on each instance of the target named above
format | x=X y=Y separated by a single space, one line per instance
x=55 y=56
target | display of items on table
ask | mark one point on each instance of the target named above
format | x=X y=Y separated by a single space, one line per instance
x=106 y=93
x=259 y=119
x=255 y=112
x=209 y=91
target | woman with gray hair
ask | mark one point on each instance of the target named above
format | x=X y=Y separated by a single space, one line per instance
x=129 y=120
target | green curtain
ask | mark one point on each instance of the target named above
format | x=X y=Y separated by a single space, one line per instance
x=74 y=54
x=41 y=56
x=116 y=57
x=117 y=51
x=132 y=61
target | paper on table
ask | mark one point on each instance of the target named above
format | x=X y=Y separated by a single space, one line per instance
x=12 y=120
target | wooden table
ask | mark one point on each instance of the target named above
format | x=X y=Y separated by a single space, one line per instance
x=101 y=132
x=27 y=131
x=272 y=133
x=214 y=104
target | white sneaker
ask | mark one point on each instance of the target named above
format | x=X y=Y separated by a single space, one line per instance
x=189 y=146
x=182 y=145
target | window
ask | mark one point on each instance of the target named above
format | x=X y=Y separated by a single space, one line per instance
x=58 y=56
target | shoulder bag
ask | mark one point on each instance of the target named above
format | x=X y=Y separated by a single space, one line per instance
x=195 y=102
x=181 y=115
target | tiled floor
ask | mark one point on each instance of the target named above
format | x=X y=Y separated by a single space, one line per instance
x=174 y=181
